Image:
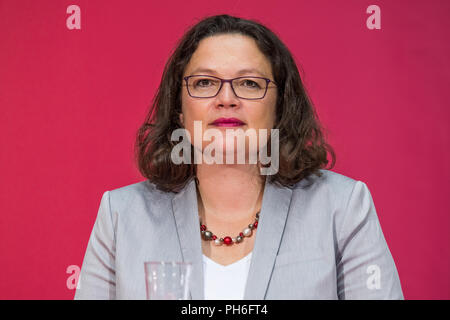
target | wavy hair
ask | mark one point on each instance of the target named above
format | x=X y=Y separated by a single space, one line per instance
x=302 y=146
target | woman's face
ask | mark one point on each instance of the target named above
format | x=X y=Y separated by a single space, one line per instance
x=228 y=56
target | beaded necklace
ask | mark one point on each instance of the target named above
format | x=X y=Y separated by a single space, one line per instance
x=209 y=236
x=247 y=232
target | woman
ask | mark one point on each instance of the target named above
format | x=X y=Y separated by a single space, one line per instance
x=300 y=232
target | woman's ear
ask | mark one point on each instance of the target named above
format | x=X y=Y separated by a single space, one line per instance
x=181 y=118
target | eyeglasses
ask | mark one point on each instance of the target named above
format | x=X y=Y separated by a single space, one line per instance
x=203 y=86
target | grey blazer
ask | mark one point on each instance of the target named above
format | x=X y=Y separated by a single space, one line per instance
x=320 y=239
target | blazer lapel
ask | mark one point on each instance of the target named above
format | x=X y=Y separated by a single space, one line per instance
x=274 y=210
x=185 y=211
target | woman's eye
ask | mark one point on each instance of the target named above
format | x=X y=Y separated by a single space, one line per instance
x=250 y=84
x=204 y=83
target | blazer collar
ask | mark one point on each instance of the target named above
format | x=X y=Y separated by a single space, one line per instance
x=273 y=214
x=185 y=209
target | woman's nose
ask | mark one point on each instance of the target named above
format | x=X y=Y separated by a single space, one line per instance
x=226 y=96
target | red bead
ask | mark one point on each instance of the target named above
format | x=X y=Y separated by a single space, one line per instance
x=255 y=225
x=214 y=237
x=203 y=227
x=227 y=240
x=241 y=234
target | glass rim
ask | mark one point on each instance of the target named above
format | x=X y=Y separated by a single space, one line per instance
x=232 y=79
x=222 y=81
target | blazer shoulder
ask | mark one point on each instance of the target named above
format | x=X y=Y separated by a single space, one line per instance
x=123 y=197
x=327 y=178
x=335 y=187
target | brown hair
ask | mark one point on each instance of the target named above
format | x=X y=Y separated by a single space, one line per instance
x=303 y=149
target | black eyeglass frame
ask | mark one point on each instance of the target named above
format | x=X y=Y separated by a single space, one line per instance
x=231 y=84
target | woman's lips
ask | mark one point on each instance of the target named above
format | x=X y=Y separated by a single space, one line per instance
x=228 y=122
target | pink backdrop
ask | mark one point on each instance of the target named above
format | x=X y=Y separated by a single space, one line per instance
x=72 y=100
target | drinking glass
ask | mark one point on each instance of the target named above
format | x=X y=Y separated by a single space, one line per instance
x=167 y=280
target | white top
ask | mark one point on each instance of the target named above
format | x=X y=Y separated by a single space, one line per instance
x=225 y=282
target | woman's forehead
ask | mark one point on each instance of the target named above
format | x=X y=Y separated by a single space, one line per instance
x=229 y=55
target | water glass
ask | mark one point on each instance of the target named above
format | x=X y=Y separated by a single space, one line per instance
x=167 y=280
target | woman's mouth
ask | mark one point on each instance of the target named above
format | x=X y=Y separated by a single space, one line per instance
x=228 y=122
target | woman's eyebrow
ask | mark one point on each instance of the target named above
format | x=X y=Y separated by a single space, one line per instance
x=240 y=72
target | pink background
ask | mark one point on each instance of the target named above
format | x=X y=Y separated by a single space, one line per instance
x=72 y=100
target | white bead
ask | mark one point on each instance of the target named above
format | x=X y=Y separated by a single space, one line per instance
x=217 y=242
x=247 y=232
x=234 y=239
